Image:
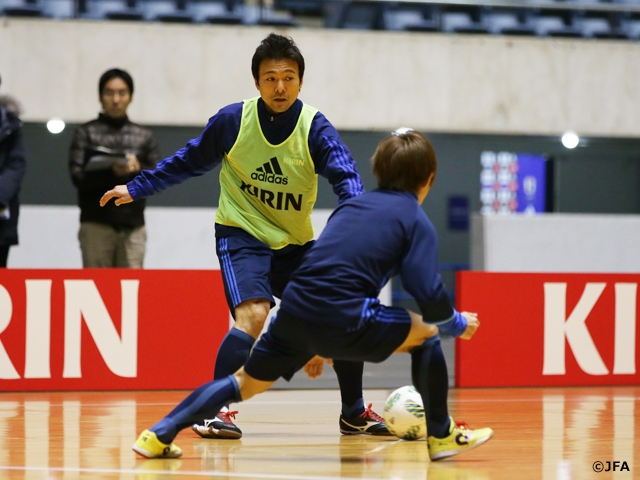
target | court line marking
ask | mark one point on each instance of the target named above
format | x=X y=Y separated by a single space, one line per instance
x=136 y=471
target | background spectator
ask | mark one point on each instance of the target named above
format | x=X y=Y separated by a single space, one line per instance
x=12 y=168
x=105 y=152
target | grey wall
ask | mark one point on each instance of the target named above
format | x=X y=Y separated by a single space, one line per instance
x=361 y=80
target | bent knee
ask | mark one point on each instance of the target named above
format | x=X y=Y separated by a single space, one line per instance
x=251 y=315
x=249 y=386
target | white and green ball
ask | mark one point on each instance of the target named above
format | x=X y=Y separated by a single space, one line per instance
x=404 y=414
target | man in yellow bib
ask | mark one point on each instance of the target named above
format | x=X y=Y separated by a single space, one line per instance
x=272 y=149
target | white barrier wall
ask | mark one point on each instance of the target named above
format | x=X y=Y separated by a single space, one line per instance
x=360 y=80
x=556 y=243
x=178 y=238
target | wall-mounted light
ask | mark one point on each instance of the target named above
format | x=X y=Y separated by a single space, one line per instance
x=55 y=125
x=570 y=139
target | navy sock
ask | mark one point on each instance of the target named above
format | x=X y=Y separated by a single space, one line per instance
x=350 y=380
x=233 y=353
x=354 y=409
x=429 y=375
x=204 y=402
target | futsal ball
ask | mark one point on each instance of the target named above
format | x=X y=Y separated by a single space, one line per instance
x=404 y=414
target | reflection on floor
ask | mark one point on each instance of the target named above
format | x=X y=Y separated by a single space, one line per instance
x=540 y=433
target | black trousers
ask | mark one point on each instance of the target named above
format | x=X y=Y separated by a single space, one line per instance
x=4 y=254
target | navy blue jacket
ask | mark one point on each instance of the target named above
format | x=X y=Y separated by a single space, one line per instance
x=366 y=241
x=331 y=157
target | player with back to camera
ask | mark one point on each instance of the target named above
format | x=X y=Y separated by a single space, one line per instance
x=330 y=306
x=271 y=149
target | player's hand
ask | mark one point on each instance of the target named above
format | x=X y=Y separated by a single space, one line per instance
x=314 y=367
x=120 y=193
x=472 y=325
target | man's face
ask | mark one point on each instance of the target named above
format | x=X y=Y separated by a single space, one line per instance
x=279 y=84
x=115 y=98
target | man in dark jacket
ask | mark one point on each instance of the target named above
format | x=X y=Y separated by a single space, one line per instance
x=12 y=168
x=105 y=152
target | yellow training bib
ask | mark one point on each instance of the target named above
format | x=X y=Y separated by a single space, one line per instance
x=269 y=190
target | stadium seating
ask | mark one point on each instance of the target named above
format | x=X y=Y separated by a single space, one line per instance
x=225 y=13
x=307 y=8
x=631 y=27
x=509 y=22
x=59 y=8
x=412 y=18
x=587 y=19
x=556 y=23
x=600 y=25
x=21 y=8
x=462 y=19
x=365 y=15
x=261 y=15
x=169 y=11
x=113 y=9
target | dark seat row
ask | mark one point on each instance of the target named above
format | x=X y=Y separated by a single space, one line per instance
x=475 y=19
x=527 y=19
x=230 y=12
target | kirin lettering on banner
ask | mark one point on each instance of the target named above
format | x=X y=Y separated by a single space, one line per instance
x=82 y=301
x=549 y=329
x=109 y=328
x=558 y=327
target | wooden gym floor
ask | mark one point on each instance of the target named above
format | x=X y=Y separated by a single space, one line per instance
x=540 y=433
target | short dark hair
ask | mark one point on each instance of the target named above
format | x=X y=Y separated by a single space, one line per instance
x=115 y=73
x=405 y=160
x=276 y=47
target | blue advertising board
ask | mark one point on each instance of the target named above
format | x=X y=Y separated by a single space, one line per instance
x=512 y=183
x=531 y=194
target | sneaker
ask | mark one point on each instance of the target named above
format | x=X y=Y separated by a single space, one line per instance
x=149 y=446
x=460 y=439
x=220 y=427
x=367 y=423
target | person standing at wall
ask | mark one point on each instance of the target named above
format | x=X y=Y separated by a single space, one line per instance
x=13 y=166
x=105 y=152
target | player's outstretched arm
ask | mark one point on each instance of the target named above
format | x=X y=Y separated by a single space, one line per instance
x=472 y=325
x=120 y=193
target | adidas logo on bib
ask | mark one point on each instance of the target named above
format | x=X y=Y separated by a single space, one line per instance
x=270 y=172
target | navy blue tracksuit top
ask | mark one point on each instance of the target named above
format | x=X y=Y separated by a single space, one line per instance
x=367 y=240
